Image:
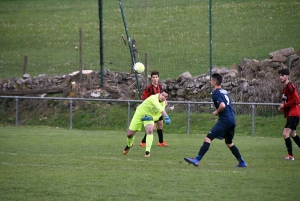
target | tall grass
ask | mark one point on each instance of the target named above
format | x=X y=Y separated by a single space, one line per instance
x=174 y=33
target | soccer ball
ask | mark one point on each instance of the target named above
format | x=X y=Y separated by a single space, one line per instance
x=139 y=67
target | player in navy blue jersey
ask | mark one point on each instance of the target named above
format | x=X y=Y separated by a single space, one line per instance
x=225 y=126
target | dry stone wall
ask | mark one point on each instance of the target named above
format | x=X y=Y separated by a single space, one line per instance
x=249 y=81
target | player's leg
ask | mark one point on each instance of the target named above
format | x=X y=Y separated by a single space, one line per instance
x=143 y=142
x=216 y=132
x=234 y=150
x=135 y=125
x=293 y=133
x=149 y=139
x=130 y=140
x=160 y=126
x=290 y=122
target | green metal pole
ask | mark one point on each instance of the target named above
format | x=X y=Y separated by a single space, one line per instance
x=100 y=7
x=130 y=48
x=210 y=41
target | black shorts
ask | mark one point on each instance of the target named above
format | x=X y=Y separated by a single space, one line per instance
x=160 y=119
x=292 y=122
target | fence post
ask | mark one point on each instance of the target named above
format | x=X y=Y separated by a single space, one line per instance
x=80 y=55
x=25 y=65
x=188 y=118
x=70 y=102
x=252 y=117
x=128 y=114
x=146 y=68
x=17 y=112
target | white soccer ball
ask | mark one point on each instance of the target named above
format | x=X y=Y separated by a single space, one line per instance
x=139 y=67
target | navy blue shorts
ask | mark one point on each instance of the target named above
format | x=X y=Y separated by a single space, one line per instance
x=221 y=131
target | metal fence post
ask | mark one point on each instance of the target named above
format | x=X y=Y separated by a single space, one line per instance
x=188 y=118
x=128 y=114
x=17 y=112
x=252 y=117
x=71 y=111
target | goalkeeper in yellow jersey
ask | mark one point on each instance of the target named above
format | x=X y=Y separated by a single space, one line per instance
x=145 y=115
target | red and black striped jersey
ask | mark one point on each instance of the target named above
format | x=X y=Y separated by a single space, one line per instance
x=291 y=100
x=151 y=90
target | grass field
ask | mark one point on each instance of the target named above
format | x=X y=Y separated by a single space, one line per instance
x=57 y=164
x=174 y=33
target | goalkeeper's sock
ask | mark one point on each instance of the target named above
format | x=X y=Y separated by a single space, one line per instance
x=144 y=139
x=160 y=135
x=204 y=148
x=289 y=147
x=130 y=141
x=235 y=151
x=297 y=140
x=149 y=141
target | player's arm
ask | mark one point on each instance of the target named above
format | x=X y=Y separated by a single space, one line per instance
x=292 y=100
x=146 y=93
x=166 y=116
x=222 y=105
x=220 y=109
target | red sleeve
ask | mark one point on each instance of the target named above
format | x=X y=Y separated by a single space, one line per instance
x=160 y=87
x=146 y=92
x=292 y=96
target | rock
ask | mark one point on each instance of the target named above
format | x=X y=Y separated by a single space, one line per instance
x=283 y=52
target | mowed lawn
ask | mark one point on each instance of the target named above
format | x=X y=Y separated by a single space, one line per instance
x=57 y=164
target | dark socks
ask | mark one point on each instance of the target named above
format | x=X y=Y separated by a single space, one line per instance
x=288 y=144
x=160 y=135
x=235 y=151
x=297 y=140
x=204 y=148
x=144 y=139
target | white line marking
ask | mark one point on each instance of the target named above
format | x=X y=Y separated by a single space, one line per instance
x=106 y=158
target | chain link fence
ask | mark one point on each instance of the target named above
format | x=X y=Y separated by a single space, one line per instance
x=261 y=119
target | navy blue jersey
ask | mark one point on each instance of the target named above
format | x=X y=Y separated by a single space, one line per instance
x=227 y=115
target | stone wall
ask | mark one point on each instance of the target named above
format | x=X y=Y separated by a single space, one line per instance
x=249 y=81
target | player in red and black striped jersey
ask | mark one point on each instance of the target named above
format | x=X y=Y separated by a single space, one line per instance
x=154 y=88
x=291 y=109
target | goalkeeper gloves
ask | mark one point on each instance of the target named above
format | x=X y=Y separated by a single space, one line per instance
x=167 y=119
x=147 y=118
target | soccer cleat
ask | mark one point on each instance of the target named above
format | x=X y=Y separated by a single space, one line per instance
x=147 y=154
x=193 y=161
x=289 y=157
x=163 y=144
x=242 y=164
x=126 y=150
x=142 y=144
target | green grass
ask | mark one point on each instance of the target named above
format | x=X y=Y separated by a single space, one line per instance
x=58 y=164
x=174 y=33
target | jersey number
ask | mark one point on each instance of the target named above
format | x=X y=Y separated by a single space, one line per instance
x=227 y=99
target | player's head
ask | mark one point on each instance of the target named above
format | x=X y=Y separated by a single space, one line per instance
x=155 y=73
x=163 y=95
x=216 y=79
x=284 y=75
x=154 y=77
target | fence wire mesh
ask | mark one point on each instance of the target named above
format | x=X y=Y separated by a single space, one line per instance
x=260 y=119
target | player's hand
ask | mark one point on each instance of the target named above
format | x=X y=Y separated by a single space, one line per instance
x=167 y=119
x=147 y=118
x=281 y=106
x=215 y=113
